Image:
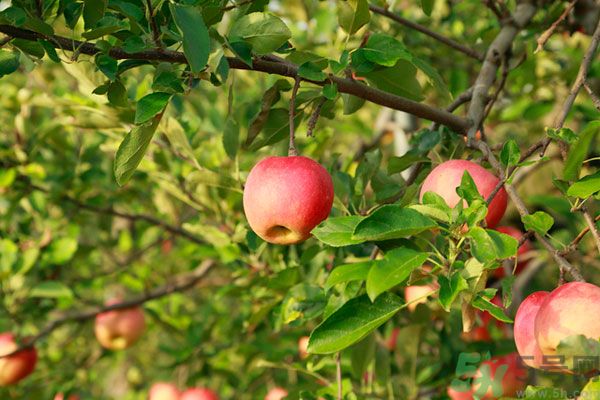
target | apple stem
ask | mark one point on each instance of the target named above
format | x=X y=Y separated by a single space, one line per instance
x=292 y=151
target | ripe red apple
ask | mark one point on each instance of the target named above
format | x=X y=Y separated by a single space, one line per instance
x=523 y=249
x=524 y=329
x=393 y=339
x=570 y=309
x=276 y=393
x=412 y=293
x=446 y=177
x=163 y=391
x=119 y=329
x=511 y=381
x=286 y=197
x=19 y=365
x=303 y=347
x=199 y=394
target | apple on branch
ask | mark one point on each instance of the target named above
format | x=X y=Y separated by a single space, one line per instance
x=446 y=177
x=286 y=197
x=163 y=391
x=276 y=393
x=199 y=393
x=17 y=366
x=119 y=329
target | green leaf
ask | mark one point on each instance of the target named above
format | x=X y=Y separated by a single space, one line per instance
x=352 y=322
x=151 y=105
x=401 y=80
x=117 y=94
x=265 y=32
x=575 y=349
x=563 y=134
x=61 y=250
x=510 y=154
x=483 y=304
x=231 y=137
x=399 y=164
x=51 y=289
x=34 y=49
x=337 y=231
x=385 y=50
x=362 y=354
x=467 y=189
x=330 y=91
x=107 y=65
x=196 y=42
x=586 y=186
x=450 y=289
x=539 y=221
x=177 y=137
x=348 y=272
x=312 y=72
x=9 y=62
x=434 y=77
x=276 y=127
x=353 y=15
x=427 y=6
x=50 y=50
x=488 y=245
x=8 y=255
x=394 y=269
x=271 y=96
x=352 y=103
x=579 y=151
x=392 y=222
x=14 y=16
x=591 y=390
x=132 y=150
x=93 y=11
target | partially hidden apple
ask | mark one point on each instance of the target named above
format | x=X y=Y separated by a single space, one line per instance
x=286 y=197
x=119 y=329
x=523 y=249
x=391 y=342
x=199 y=394
x=17 y=366
x=446 y=177
x=61 y=396
x=417 y=294
x=524 y=329
x=163 y=391
x=303 y=347
x=276 y=393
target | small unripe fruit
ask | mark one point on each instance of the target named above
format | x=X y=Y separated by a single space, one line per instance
x=286 y=197
x=17 y=366
x=119 y=329
x=446 y=177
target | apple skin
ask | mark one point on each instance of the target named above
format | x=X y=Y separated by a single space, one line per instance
x=163 y=391
x=446 y=177
x=286 y=197
x=276 y=393
x=524 y=329
x=61 y=396
x=523 y=249
x=17 y=366
x=199 y=394
x=570 y=309
x=411 y=293
x=303 y=347
x=513 y=380
x=119 y=329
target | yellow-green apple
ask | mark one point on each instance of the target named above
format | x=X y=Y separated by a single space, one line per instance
x=495 y=378
x=417 y=294
x=276 y=393
x=119 y=329
x=286 y=197
x=524 y=329
x=199 y=394
x=446 y=177
x=523 y=249
x=163 y=391
x=393 y=339
x=570 y=309
x=17 y=366
x=303 y=347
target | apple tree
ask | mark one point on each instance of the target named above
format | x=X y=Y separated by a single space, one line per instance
x=301 y=199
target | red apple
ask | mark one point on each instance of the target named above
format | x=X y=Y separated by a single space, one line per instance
x=303 y=347
x=446 y=177
x=412 y=293
x=18 y=366
x=163 y=391
x=61 y=396
x=286 y=197
x=523 y=249
x=276 y=393
x=393 y=339
x=510 y=382
x=119 y=329
x=199 y=394
x=571 y=309
x=524 y=329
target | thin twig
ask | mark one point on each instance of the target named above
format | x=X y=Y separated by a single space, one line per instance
x=153 y=25
x=420 y=28
x=314 y=117
x=592 y=226
x=292 y=151
x=541 y=41
x=595 y=99
x=178 y=284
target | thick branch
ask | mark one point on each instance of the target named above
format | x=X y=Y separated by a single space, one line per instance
x=178 y=284
x=264 y=64
x=420 y=28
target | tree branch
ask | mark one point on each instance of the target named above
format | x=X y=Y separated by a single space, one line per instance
x=541 y=41
x=153 y=25
x=595 y=99
x=420 y=28
x=262 y=64
x=178 y=284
